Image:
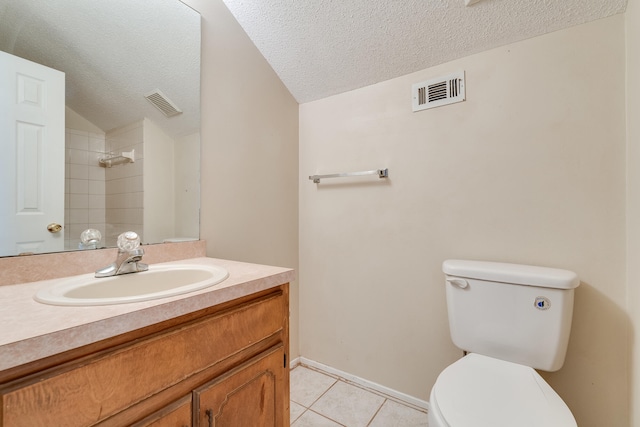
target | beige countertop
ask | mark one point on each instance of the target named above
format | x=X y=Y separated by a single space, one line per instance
x=30 y=330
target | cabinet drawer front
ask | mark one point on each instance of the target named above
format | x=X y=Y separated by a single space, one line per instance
x=177 y=414
x=87 y=392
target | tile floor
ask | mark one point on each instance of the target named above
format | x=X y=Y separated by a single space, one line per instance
x=321 y=400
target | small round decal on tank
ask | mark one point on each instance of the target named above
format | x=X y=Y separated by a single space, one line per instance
x=542 y=303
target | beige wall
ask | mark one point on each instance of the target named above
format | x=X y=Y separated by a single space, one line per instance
x=249 y=208
x=159 y=179
x=632 y=16
x=530 y=169
x=187 y=186
x=75 y=121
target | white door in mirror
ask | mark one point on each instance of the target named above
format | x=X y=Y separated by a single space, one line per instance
x=32 y=160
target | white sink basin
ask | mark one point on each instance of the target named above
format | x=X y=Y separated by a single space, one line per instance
x=158 y=282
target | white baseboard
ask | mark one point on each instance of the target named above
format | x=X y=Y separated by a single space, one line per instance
x=293 y=363
x=361 y=382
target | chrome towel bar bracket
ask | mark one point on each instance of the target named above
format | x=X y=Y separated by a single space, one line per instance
x=382 y=173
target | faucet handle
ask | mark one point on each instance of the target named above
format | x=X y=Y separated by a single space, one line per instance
x=128 y=241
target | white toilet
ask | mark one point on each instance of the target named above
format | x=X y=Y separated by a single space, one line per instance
x=511 y=319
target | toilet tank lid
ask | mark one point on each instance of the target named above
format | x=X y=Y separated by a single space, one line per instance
x=512 y=273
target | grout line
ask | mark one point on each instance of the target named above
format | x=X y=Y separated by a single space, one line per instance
x=325 y=392
x=299 y=416
x=324 y=416
x=337 y=378
x=363 y=387
x=319 y=397
x=418 y=405
x=345 y=381
x=377 y=412
x=308 y=409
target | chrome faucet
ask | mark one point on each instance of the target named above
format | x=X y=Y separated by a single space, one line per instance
x=129 y=257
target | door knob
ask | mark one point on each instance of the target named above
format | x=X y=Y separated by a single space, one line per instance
x=54 y=228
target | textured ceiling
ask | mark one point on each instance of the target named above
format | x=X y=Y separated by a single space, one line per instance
x=320 y=48
x=113 y=53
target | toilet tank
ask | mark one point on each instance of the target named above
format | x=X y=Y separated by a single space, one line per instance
x=512 y=312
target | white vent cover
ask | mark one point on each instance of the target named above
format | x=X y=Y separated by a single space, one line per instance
x=162 y=103
x=438 y=92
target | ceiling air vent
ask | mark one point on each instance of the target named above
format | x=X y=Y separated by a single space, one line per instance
x=162 y=103
x=438 y=92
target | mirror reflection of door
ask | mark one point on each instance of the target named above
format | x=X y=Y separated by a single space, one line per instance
x=32 y=108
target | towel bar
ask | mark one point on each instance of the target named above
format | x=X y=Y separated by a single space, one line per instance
x=382 y=173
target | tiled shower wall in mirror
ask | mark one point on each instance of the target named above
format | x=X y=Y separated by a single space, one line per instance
x=84 y=185
x=108 y=199
x=124 y=192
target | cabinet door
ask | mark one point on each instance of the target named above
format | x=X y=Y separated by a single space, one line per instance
x=251 y=395
x=177 y=414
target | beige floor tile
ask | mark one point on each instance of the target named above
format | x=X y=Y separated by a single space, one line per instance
x=311 y=419
x=295 y=411
x=308 y=385
x=393 y=414
x=348 y=405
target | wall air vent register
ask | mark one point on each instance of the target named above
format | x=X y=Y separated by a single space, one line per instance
x=438 y=92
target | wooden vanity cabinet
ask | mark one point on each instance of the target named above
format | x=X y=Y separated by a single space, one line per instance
x=225 y=366
x=247 y=396
x=177 y=414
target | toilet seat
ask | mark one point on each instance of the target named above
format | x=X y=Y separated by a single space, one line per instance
x=480 y=391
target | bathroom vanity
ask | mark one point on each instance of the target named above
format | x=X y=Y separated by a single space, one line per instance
x=215 y=357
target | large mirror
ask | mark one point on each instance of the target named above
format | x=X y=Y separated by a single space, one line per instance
x=128 y=119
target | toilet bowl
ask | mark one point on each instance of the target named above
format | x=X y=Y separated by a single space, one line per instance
x=481 y=391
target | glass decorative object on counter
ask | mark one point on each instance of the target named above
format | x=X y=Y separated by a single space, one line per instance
x=89 y=239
